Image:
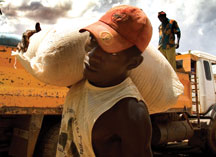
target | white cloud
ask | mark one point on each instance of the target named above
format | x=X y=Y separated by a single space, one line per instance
x=78 y=9
x=200 y=31
x=196 y=18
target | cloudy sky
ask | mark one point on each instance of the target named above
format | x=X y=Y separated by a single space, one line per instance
x=196 y=18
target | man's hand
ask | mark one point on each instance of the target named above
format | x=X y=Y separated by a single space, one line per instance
x=177 y=45
x=178 y=39
x=23 y=45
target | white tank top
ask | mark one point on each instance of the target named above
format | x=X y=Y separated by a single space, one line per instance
x=83 y=106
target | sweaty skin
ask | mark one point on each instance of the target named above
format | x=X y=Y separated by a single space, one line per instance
x=125 y=129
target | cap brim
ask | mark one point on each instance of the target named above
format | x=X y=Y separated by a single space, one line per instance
x=108 y=39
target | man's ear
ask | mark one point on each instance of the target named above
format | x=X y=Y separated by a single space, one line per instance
x=135 y=62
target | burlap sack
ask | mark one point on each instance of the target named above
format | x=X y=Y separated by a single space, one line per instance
x=56 y=57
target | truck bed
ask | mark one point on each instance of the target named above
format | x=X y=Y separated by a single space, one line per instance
x=21 y=93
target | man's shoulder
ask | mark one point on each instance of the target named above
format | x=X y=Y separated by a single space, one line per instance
x=126 y=107
x=130 y=108
x=122 y=110
x=127 y=113
x=129 y=101
x=172 y=21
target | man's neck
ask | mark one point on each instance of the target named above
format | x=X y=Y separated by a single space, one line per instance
x=108 y=83
x=165 y=21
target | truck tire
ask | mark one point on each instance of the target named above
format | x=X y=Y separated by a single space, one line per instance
x=47 y=142
x=211 y=137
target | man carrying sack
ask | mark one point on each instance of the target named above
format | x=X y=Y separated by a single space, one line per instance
x=105 y=115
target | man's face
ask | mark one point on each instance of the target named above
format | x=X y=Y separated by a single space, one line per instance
x=104 y=67
x=162 y=18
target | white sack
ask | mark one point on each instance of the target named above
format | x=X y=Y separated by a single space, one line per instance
x=56 y=57
x=157 y=81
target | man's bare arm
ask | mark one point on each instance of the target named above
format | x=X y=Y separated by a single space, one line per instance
x=137 y=132
x=178 y=39
x=125 y=130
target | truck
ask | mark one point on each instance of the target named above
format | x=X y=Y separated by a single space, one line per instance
x=193 y=117
x=30 y=110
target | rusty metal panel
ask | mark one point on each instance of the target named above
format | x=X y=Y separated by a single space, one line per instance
x=19 y=89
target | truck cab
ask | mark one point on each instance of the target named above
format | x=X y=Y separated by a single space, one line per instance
x=199 y=67
x=206 y=83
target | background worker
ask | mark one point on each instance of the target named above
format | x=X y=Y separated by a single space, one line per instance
x=105 y=115
x=23 y=45
x=167 y=31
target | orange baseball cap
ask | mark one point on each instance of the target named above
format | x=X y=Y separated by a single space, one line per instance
x=121 y=28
